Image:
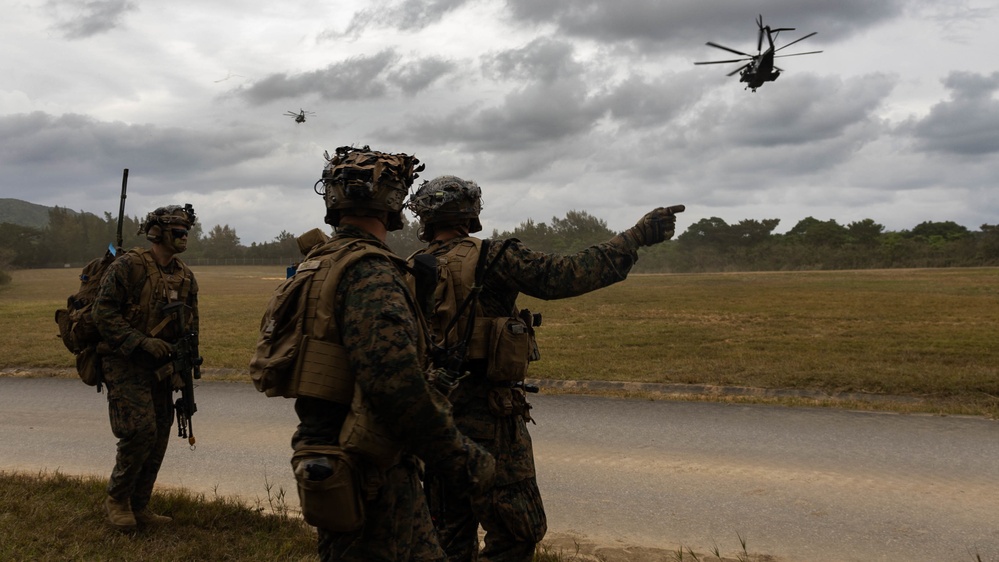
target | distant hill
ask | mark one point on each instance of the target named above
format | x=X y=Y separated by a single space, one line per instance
x=22 y=213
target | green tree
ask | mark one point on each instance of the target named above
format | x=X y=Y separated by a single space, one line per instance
x=578 y=230
x=939 y=232
x=221 y=242
x=813 y=232
x=865 y=233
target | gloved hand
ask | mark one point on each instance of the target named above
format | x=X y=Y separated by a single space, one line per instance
x=481 y=467
x=469 y=465
x=156 y=347
x=657 y=226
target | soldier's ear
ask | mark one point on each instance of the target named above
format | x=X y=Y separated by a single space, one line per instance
x=155 y=234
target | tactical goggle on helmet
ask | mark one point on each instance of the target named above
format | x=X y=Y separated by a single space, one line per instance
x=169 y=216
x=361 y=181
x=448 y=200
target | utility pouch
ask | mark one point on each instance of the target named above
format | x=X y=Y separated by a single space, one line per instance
x=362 y=435
x=88 y=366
x=509 y=350
x=329 y=489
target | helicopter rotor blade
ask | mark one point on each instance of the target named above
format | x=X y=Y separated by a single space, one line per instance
x=724 y=48
x=759 y=35
x=797 y=54
x=796 y=40
x=722 y=61
x=736 y=71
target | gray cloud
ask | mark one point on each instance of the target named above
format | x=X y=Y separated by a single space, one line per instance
x=64 y=152
x=968 y=123
x=543 y=59
x=362 y=77
x=406 y=15
x=639 y=103
x=685 y=21
x=79 y=20
x=418 y=76
x=815 y=110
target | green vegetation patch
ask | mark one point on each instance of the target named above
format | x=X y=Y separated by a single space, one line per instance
x=58 y=517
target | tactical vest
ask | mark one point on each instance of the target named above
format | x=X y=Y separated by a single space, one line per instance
x=145 y=311
x=300 y=351
x=505 y=343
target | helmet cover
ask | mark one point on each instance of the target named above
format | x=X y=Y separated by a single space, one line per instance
x=361 y=181
x=169 y=216
x=448 y=200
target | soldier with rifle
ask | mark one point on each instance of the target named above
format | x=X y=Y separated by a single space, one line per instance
x=146 y=311
x=482 y=347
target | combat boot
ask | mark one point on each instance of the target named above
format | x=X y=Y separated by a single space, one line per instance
x=120 y=514
x=146 y=517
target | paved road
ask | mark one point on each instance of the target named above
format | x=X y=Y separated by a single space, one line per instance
x=800 y=484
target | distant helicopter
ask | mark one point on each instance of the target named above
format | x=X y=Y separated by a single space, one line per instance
x=300 y=116
x=760 y=67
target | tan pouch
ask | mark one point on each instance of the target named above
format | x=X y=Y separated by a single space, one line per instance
x=329 y=489
x=509 y=350
x=361 y=434
x=88 y=366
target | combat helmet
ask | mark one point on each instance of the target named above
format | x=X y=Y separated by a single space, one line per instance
x=446 y=201
x=171 y=215
x=361 y=181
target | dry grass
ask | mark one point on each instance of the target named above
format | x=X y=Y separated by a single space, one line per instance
x=59 y=517
x=928 y=333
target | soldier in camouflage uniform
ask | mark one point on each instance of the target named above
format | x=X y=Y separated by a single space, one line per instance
x=492 y=412
x=384 y=338
x=137 y=344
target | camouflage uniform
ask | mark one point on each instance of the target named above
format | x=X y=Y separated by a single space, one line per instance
x=380 y=328
x=511 y=513
x=140 y=405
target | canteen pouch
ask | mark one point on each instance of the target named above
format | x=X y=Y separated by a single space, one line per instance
x=88 y=366
x=509 y=350
x=329 y=489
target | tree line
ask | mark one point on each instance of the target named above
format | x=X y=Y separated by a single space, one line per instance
x=709 y=245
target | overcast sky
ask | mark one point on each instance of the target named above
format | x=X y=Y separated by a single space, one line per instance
x=550 y=105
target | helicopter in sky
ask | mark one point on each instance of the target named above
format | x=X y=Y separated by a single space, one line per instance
x=759 y=68
x=300 y=116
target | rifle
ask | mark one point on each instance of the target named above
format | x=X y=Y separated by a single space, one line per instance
x=187 y=364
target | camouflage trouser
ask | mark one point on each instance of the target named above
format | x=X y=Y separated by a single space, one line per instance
x=141 y=413
x=511 y=512
x=397 y=525
x=512 y=516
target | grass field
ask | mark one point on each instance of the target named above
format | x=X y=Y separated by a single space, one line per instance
x=929 y=333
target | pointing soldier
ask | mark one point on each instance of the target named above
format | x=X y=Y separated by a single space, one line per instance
x=487 y=342
x=386 y=419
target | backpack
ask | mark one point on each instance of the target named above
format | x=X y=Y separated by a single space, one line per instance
x=290 y=360
x=77 y=329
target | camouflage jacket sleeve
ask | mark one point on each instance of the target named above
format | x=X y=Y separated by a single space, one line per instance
x=381 y=333
x=554 y=276
x=111 y=305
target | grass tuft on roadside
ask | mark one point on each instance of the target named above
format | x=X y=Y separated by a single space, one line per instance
x=52 y=516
